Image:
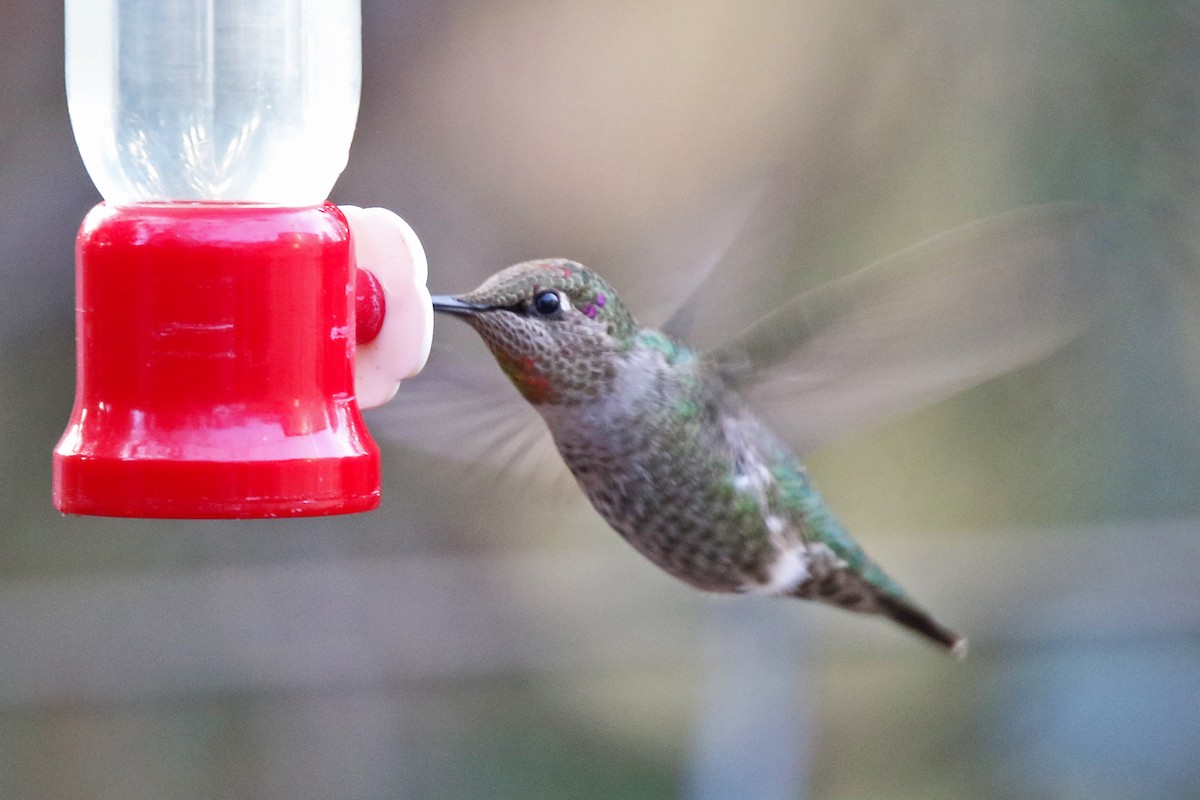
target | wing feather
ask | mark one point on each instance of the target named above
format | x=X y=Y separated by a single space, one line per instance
x=931 y=320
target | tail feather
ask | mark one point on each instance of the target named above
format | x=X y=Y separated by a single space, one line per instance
x=854 y=592
x=919 y=621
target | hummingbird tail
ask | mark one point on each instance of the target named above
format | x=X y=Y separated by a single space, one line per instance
x=913 y=618
x=873 y=592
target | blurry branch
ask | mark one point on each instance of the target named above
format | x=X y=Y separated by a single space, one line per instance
x=357 y=622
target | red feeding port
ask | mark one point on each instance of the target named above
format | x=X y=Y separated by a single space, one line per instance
x=214 y=377
x=370 y=307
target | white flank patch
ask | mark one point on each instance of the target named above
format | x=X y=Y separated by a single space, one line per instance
x=787 y=572
x=822 y=551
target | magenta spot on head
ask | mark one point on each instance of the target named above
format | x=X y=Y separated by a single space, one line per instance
x=590 y=310
x=601 y=299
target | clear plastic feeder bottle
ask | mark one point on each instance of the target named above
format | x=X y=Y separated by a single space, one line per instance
x=213 y=100
x=214 y=286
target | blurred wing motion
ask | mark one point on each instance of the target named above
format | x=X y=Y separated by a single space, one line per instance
x=936 y=318
x=462 y=408
x=714 y=236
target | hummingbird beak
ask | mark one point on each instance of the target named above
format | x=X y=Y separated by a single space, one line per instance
x=450 y=304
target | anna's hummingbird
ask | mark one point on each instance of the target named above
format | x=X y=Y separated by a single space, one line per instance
x=659 y=437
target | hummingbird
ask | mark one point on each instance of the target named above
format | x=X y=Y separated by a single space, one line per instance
x=665 y=445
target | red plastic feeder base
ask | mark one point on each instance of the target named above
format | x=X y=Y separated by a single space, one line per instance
x=215 y=347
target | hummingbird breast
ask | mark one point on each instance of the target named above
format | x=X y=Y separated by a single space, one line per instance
x=680 y=470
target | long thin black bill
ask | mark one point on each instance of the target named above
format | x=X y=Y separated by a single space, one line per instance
x=450 y=304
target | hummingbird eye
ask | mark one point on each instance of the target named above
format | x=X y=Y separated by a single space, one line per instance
x=547 y=303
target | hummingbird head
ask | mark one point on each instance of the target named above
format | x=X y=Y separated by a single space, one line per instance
x=556 y=328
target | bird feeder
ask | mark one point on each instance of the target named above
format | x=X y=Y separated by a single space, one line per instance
x=216 y=290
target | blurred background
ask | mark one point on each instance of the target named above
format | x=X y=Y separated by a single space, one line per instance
x=477 y=638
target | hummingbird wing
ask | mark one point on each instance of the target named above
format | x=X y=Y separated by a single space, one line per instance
x=931 y=320
x=703 y=239
x=463 y=409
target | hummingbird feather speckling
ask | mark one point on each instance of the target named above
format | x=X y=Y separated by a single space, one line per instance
x=662 y=439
